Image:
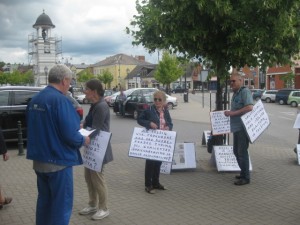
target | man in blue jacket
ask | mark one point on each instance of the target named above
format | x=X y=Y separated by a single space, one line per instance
x=53 y=143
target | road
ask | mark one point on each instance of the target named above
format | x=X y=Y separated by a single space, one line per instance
x=281 y=130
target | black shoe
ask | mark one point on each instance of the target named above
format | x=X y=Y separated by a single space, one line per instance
x=242 y=181
x=160 y=187
x=150 y=190
x=238 y=177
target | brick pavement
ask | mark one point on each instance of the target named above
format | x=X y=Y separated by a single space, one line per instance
x=200 y=196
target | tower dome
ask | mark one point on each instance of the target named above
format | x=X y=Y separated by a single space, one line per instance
x=43 y=21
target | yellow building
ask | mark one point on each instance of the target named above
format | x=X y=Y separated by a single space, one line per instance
x=119 y=66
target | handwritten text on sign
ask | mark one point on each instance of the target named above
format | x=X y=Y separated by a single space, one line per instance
x=256 y=121
x=219 y=122
x=153 y=144
x=225 y=159
x=93 y=155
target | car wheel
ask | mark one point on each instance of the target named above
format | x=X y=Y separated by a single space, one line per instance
x=170 y=106
x=294 y=104
x=85 y=101
x=268 y=100
x=281 y=102
x=135 y=114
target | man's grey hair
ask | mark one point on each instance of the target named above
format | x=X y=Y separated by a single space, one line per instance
x=58 y=73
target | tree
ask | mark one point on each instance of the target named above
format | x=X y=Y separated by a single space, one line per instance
x=84 y=75
x=228 y=33
x=288 y=80
x=168 y=70
x=106 y=78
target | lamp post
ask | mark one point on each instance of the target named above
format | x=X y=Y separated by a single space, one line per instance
x=127 y=71
x=46 y=73
x=136 y=79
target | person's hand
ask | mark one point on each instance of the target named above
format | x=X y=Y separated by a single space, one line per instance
x=227 y=113
x=153 y=125
x=87 y=141
x=5 y=156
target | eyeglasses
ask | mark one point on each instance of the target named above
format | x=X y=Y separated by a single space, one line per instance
x=232 y=81
x=157 y=99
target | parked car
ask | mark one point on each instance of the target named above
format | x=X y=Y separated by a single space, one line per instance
x=171 y=101
x=135 y=104
x=138 y=102
x=294 y=98
x=269 y=96
x=179 y=89
x=282 y=95
x=13 y=103
x=82 y=99
x=110 y=100
x=256 y=93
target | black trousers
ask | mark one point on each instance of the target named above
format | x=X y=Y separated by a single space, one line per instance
x=152 y=170
x=3 y=148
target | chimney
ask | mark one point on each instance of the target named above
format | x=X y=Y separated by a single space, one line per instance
x=140 y=58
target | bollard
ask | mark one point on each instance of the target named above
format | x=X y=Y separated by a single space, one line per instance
x=20 y=139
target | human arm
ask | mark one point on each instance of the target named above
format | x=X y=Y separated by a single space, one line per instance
x=144 y=120
x=5 y=156
x=239 y=112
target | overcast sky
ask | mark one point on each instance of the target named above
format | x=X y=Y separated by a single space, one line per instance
x=91 y=30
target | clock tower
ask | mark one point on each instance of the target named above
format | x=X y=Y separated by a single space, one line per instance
x=43 y=49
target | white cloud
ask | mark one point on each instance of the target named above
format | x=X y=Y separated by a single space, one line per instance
x=91 y=30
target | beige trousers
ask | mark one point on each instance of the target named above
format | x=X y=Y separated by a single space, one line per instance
x=97 y=188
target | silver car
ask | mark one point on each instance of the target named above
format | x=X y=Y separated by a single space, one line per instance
x=269 y=96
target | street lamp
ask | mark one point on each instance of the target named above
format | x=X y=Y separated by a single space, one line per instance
x=136 y=79
x=46 y=73
x=127 y=71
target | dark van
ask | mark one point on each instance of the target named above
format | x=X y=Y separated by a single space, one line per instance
x=283 y=95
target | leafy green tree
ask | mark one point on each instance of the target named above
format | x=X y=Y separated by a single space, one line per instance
x=168 y=70
x=3 y=78
x=106 y=78
x=288 y=79
x=1 y=65
x=228 y=33
x=84 y=76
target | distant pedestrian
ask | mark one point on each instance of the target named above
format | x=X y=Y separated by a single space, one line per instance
x=3 y=151
x=241 y=103
x=53 y=143
x=98 y=117
x=156 y=117
x=122 y=101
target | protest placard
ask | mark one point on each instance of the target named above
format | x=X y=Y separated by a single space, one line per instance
x=93 y=154
x=205 y=136
x=297 y=121
x=152 y=144
x=225 y=159
x=298 y=153
x=184 y=158
x=220 y=123
x=256 y=121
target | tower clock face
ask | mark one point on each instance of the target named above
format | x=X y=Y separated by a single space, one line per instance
x=47 y=48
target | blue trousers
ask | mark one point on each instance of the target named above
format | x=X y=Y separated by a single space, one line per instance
x=55 y=197
x=240 y=150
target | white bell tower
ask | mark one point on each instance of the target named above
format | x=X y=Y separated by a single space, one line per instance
x=43 y=49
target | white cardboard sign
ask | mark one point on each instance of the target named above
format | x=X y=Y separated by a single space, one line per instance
x=152 y=144
x=93 y=155
x=220 y=123
x=184 y=158
x=256 y=121
x=225 y=159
